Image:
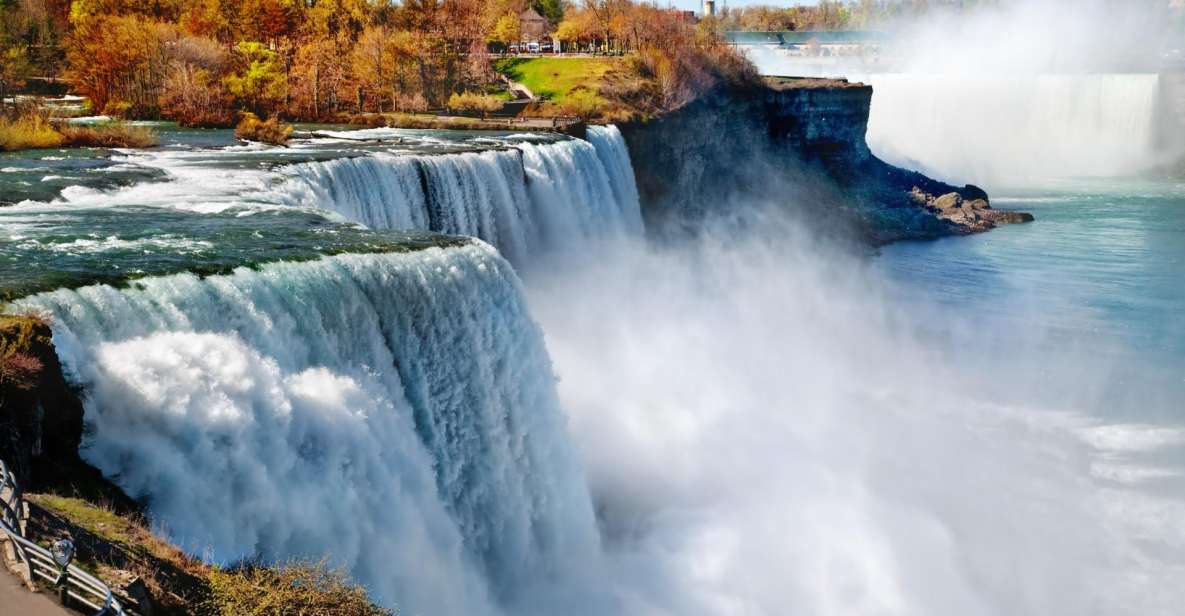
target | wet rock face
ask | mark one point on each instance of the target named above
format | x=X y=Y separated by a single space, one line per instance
x=40 y=416
x=798 y=142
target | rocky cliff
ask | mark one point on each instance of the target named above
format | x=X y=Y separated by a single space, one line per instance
x=41 y=424
x=799 y=142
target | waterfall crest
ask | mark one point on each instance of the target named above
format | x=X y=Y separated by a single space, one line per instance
x=524 y=199
x=395 y=410
x=1015 y=129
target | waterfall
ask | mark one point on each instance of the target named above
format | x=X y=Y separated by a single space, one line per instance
x=1018 y=128
x=397 y=411
x=523 y=199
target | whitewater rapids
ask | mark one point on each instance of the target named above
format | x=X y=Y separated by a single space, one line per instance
x=397 y=412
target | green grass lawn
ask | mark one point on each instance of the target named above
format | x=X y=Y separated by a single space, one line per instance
x=559 y=80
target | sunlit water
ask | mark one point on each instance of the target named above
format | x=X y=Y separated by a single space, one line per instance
x=976 y=425
x=1099 y=277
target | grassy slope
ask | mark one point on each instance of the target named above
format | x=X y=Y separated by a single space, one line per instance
x=566 y=82
x=120 y=547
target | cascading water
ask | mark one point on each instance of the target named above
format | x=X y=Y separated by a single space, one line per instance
x=397 y=411
x=1001 y=128
x=523 y=199
x=1018 y=128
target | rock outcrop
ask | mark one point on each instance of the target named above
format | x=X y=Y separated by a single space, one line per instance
x=795 y=141
x=41 y=416
x=971 y=212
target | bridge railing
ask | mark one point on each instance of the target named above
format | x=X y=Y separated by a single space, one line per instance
x=71 y=581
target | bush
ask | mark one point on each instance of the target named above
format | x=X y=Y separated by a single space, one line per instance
x=272 y=131
x=18 y=369
x=294 y=588
x=111 y=135
x=473 y=102
x=28 y=132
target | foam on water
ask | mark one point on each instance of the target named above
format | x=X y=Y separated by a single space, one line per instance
x=397 y=412
x=524 y=199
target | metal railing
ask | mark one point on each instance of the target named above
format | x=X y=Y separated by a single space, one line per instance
x=73 y=584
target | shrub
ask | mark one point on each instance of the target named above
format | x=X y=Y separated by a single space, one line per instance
x=411 y=102
x=272 y=131
x=18 y=369
x=473 y=102
x=294 y=588
x=27 y=132
x=111 y=135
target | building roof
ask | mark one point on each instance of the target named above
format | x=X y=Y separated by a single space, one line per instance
x=531 y=15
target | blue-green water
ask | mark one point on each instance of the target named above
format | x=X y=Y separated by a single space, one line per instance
x=202 y=201
x=1098 y=279
x=996 y=415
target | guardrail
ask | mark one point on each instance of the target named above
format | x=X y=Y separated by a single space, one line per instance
x=72 y=583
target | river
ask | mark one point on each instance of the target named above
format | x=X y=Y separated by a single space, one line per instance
x=570 y=417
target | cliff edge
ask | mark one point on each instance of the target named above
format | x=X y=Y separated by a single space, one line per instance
x=799 y=142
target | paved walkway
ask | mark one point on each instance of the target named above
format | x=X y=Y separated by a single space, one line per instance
x=16 y=600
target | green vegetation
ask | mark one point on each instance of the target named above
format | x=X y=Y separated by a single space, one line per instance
x=293 y=588
x=561 y=81
x=203 y=62
x=118 y=547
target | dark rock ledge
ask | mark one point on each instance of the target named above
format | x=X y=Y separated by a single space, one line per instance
x=800 y=142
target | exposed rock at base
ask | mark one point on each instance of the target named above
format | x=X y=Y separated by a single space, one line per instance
x=971 y=212
x=795 y=141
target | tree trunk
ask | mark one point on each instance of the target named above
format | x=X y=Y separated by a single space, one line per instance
x=316 y=91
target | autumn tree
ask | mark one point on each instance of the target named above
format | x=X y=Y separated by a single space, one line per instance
x=120 y=63
x=505 y=31
x=14 y=68
x=206 y=18
x=319 y=75
x=330 y=18
x=390 y=65
x=193 y=93
x=258 y=80
x=268 y=21
x=578 y=27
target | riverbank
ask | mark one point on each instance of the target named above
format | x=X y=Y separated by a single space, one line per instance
x=36 y=131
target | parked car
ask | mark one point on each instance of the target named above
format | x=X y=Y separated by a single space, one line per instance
x=513 y=48
x=532 y=47
x=545 y=48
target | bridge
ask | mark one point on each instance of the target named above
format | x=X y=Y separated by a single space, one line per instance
x=823 y=40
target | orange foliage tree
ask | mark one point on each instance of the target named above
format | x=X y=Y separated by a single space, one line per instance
x=120 y=63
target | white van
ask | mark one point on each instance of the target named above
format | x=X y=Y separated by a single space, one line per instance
x=533 y=47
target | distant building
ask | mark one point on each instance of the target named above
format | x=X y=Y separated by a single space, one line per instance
x=709 y=8
x=687 y=17
x=533 y=26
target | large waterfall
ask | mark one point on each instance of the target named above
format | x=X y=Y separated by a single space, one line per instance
x=1016 y=128
x=523 y=199
x=397 y=411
